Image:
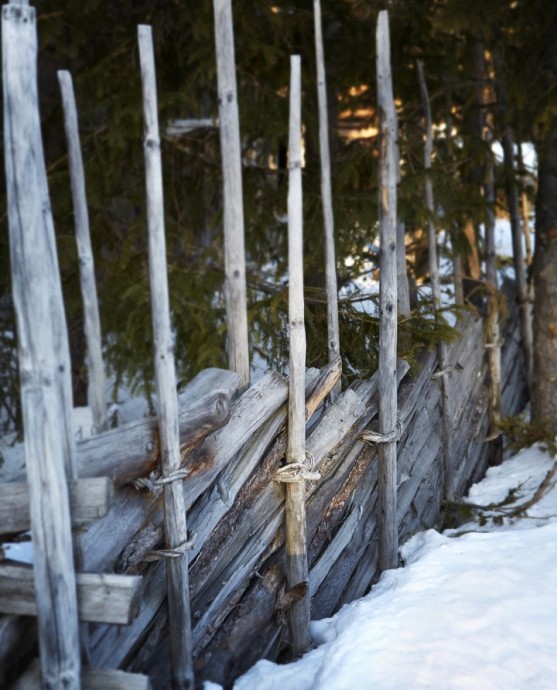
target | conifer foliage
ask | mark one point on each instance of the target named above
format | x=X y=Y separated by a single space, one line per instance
x=96 y=42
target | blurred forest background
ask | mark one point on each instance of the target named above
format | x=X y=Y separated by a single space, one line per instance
x=489 y=65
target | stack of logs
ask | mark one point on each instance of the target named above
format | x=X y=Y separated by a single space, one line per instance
x=234 y=445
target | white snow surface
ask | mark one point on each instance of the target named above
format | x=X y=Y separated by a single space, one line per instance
x=473 y=609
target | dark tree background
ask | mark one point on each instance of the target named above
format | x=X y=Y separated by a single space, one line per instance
x=457 y=41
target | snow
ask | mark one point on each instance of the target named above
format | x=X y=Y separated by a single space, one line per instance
x=473 y=608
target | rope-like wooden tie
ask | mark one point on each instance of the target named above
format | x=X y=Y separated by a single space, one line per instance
x=375 y=437
x=176 y=552
x=297 y=471
x=438 y=374
x=152 y=484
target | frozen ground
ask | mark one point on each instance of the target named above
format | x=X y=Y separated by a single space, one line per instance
x=473 y=609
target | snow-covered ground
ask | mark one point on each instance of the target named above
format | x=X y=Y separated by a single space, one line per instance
x=473 y=608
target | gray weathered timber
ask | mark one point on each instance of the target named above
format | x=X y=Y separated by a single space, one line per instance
x=90 y=500
x=252 y=410
x=132 y=450
x=43 y=353
x=239 y=628
x=208 y=570
x=92 y=326
x=234 y=255
x=175 y=528
x=403 y=286
x=436 y=291
x=101 y=598
x=91 y=679
x=524 y=305
x=179 y=127
x=493 y=338
x=333 y=339
x=295 y=501
x=524 y=205
x=388 y=536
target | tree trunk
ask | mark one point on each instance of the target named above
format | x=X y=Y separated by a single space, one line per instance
x=544 y=400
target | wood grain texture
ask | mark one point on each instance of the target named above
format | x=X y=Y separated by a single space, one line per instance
x=295 y=503
x=91 y=679
x=175 y=527
x=388 y=539
x=44 y=361
x=234 y=254
x=493 y=337
x=436 y=290
x=333 y=338
x=90 y=500
x=92 y=325
x=101 y=598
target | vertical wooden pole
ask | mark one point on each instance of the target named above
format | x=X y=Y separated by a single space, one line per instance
x=518 y=255
x=388 y=530
x=234 y=254
x=333 y=339
x=458 y=269
x=524 y=305
x=436 y=294
x=403 y=287
x=174 y=505
x=97 y=381
x=524 y=207
x=493 y=328
x=295 y=507
x=43 y=353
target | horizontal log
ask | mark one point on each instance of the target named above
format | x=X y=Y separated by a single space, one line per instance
x=132 y=450
x=101 y=598
x=91 y=679
x=89 y=500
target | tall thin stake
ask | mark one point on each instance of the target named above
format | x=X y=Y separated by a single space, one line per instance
x=234 y=254
x=44 y=359
x=333 y=338
x=403 y=286
x=388 y=531
x=97 y=381
x=493 y=329
x=436 y=294
x=174 y=504
x=295 y=507
x=524 y=304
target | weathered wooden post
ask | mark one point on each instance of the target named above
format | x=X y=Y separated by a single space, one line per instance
x=174 y=504
x=402 y=287
x=295 y=507
x=524 y=206
x=43 y=352
x=524 y=305
x=333 y=339
x=234 y=254
x=436 y=294
x=388 y=530
x=493 y=339
x=97 y=381
x=458 y=270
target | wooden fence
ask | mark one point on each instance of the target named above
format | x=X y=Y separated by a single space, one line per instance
x=235 y=507
x=123 y=487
